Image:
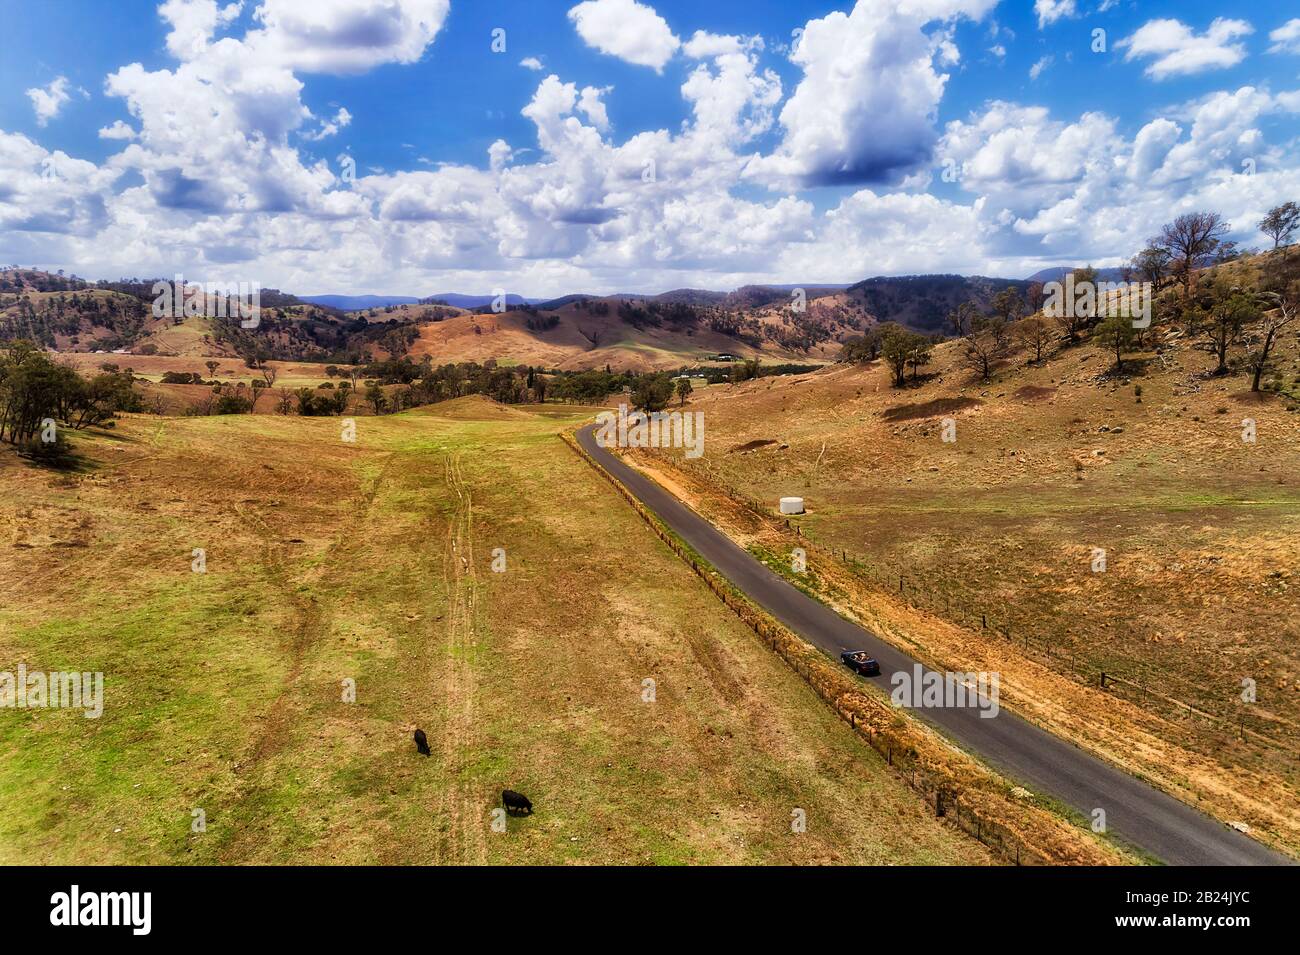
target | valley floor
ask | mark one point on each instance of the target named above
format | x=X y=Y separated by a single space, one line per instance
x=372 y=562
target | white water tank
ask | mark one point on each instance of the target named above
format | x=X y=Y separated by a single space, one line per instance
x=791 y=505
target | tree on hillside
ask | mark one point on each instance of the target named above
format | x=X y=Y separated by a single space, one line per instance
x=1035 y=334
x=684 y=389
x=1284 y=310
x=1008 y=305
x=962 y=317
x=1075 y=316
x=1152 y=265
x=212 y=366
x=746 y=370
x=1034 y=297
x=34 y=389
x=1219 y=317
x=1192 y=240
x=1116 y=334
x=375 y=396
x=1280 y=224
x=919 y=355
x=987 y=342
x=902 y=349
x=269 y=375
x=862 y=348
x=652 y=393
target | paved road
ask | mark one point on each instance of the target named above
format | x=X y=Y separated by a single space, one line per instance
x=1168 y=829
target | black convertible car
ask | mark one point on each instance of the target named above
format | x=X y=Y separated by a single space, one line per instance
x=859 y=662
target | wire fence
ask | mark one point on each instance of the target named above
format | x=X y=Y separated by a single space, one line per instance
x=922 y=592
x=934 y=781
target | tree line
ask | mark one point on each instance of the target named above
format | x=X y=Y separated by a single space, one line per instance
x=38 y=396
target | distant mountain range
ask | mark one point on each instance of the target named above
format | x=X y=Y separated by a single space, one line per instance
x=665 y=330
x=746 y=295
x=358 y=303
x=1059 y=272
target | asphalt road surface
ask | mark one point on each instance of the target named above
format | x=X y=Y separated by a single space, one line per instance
x=1168 y=829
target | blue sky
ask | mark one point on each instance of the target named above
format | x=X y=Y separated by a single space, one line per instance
x=211 y=137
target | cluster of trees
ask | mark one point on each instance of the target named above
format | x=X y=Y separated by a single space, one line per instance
x=34 y=390
x=901 y=349
x=1218 y=316
x=1197 y=239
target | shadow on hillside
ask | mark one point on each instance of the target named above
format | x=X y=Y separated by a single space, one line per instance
x=929 y=409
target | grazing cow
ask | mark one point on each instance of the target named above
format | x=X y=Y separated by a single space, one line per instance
x=516 y=803
x=422 y=743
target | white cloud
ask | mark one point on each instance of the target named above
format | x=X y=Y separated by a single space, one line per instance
x=1083 y=190
x=731 y=99
x=1049 y=11
x=43 y=191
x=591 y=106
x=626 y=29
x=866 y=106
x=218 y=182
x=1041 y=64
x=345 y=36
x=49 y=101
x=119 y=130
x=531 y=63
x=1177 y=50
x=330 y=127
x=1286 y=38
x=193 y=24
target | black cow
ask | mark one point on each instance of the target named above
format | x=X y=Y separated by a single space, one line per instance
x=516 y=803
x=422 y=743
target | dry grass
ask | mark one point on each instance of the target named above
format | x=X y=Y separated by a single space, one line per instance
x=1200 y=528
x=329 y=561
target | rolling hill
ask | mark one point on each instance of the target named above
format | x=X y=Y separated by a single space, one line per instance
x=636 y=332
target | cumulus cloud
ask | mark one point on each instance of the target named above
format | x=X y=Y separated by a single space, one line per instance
x=531 y=63
x=193 y=24
x=214 y=131
x=47 y=102
x=1286 y=38
x=119 y=130
x=44 y=191
x=345 y=36
x=731 y=98
x=1041 y=64
x=210 y=174
x=1056 y=185
x=865 y=109
x=626 y=29
x=1175 y=49
x=1049 y=11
